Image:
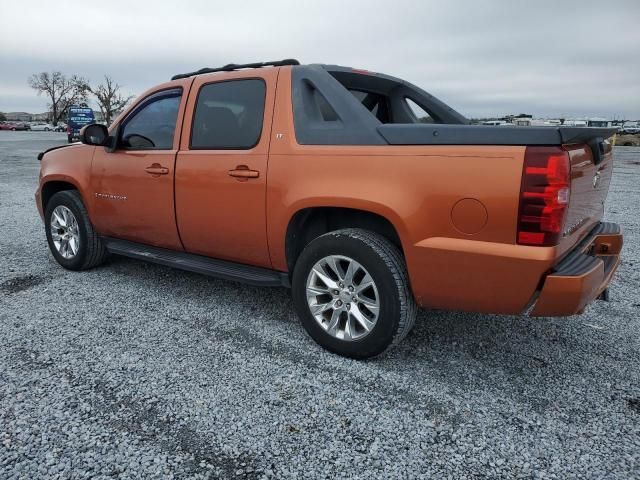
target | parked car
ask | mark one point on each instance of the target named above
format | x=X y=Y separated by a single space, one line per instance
x=630 y=129
x=364 y=211
x=61 y=127
x=42 y=127
x=15 y=126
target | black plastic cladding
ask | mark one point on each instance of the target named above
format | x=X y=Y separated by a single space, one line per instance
x=397 y=90
x=433 y=134
x=355 y=125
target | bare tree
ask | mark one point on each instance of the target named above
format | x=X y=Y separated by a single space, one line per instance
x=109 y=98
x=61 y=90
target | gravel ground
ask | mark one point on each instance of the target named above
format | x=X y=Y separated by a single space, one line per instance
x=135 y=371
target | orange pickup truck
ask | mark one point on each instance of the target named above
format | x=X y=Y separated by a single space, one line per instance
x=360 y=191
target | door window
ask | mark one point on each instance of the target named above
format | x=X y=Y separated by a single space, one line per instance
x=152 y=126
x=228 y=115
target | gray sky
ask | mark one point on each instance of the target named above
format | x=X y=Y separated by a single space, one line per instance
x=549 y=58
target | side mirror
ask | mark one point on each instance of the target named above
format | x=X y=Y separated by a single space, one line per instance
x=94 y=134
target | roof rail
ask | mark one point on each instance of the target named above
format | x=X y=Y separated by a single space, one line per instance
x=232 y=66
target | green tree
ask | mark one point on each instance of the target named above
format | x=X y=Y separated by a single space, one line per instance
x=3 y=117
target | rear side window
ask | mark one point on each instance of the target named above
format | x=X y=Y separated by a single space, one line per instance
x=152 y=126
x=228 y=115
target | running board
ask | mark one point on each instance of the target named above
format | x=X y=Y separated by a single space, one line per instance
x=196 y=263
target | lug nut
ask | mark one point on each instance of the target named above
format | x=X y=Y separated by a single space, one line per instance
x=348 y=306
x=354 y=299
x=339 y=303
x=341 y=285
x=351 y=288
x=336 y=292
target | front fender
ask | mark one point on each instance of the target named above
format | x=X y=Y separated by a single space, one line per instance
x=69 y=165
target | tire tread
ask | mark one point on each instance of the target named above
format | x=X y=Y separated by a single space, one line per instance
x=391 y=257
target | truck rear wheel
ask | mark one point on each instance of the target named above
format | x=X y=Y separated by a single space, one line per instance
x=73 y=242
x=351 y=291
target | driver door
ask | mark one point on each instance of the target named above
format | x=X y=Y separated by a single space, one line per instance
x=133 y=185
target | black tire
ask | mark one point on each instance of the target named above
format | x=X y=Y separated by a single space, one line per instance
x=91 y=251
x=385 y=264
x=69 y=139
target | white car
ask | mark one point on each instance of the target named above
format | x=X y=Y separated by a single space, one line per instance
x=42 y=127
x=630 y=128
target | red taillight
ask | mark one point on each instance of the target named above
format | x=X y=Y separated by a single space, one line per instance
x=544 y=196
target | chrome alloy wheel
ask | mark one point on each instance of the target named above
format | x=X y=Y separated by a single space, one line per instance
x=65 y=232
x=343 y=297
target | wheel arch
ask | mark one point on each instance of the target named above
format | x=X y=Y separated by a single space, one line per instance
x=309 y=223
x=51 y=187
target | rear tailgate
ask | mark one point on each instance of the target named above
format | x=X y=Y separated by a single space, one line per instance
x=590 y=179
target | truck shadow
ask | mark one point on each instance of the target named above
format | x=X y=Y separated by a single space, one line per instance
x=528 y=361
x=525 y=341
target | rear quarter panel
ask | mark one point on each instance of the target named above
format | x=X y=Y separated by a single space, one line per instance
x=416 y=189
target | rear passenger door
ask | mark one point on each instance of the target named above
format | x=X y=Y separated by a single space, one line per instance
x=221 y=170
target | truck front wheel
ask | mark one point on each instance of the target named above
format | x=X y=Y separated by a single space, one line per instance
x=351 y=291
x=73 y=242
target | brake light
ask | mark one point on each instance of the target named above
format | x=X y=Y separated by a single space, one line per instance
x=544 y=196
